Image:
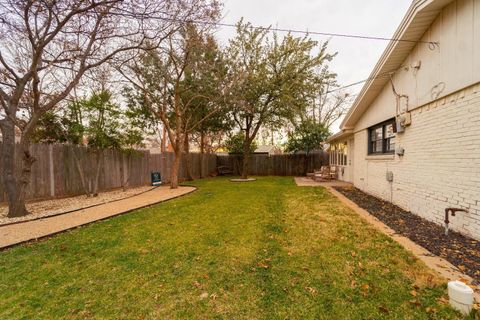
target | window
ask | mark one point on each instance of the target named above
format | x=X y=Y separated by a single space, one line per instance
x=381 y=138
x=338 y=154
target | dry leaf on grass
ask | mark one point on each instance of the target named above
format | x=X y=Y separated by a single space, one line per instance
x=431 y=310
x=312 y=291
x=365 y=287
x=383 y=309
x=415 y=303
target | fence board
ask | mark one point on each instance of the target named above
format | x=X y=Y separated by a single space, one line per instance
x=278 y=165
x=62 y=174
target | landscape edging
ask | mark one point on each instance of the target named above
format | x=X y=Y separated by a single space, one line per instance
x=46 y=237
x=436 y=263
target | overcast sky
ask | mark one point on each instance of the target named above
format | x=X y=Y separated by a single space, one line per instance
x=356 y=58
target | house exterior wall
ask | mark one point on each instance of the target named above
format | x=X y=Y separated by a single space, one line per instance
x=441 y=165
x=452 y=66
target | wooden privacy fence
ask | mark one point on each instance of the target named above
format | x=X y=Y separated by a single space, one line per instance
x=276 y=165
x=55 y=172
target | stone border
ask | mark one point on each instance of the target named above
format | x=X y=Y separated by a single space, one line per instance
x=34 y=239
x=74 y=210
x=243 y=180
x=440 y=265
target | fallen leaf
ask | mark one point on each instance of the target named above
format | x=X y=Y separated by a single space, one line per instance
x=431 y=310
x=415 y=303
x=383 y=309
x=464 y=280
x=365 y=287
x=443 y=300
x=413 y=293
x=312 y=291
x=204 y=295
x=197 y=284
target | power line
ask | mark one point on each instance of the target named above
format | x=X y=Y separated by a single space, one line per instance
x=359 y=82
x=341 y=35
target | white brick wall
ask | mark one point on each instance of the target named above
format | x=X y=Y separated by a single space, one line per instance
x=441 y=165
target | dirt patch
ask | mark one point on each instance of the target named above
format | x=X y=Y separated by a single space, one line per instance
x=459 y=250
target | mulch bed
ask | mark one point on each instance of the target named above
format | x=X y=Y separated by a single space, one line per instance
x=459 y=250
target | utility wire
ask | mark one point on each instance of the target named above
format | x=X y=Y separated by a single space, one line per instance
x=360 y=82
x=342 y=35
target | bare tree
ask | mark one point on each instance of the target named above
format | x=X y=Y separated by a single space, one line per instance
x=329 y=107
x=46 y=47
x=166 y=82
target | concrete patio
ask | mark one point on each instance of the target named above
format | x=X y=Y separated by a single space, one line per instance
x=307 y=182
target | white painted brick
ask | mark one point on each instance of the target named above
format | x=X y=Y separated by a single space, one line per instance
x=441 y=166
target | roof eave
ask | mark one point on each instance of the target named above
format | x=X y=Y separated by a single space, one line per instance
x=432 y=8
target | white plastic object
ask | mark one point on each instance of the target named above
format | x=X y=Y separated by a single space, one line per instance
x=461 y=296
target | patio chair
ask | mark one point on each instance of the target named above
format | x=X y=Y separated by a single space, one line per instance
x=323 y=174
x=333 y=172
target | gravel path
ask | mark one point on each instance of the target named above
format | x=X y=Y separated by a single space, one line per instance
x=51 y=207
x=31 y=230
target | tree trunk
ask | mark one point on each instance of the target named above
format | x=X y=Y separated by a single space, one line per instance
x=202 y=153
x=175 y=169
x=186 y=146
x=163 y=150
x=15 y=179
x=246 y=153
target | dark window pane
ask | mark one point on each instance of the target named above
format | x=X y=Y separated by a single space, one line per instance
x=377 y=134
x=390 y=145
x=381 y=138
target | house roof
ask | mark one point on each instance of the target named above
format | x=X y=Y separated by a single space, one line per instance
x=266 y=149
x=342 y=134
x=416 y=22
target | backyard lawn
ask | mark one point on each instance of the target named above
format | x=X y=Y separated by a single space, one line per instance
x=261 y=250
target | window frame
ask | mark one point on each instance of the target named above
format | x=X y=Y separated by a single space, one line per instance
x=384 y=139
x=339 y=154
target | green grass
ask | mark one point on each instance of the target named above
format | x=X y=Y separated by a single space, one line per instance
x=261 y=250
